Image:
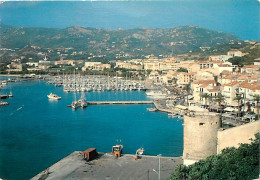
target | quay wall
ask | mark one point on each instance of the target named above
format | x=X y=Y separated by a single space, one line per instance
x=200 y=137
x=237 y=135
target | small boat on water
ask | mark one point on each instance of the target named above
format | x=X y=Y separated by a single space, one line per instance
x=53 y=97
x=3 y=103
x=151 y=109
x=140 y=151
x=4 y=96
x=82 y=102
x=75 y=105
x=10 y=95
x=4 y=82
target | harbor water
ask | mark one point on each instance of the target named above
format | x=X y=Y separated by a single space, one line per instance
x=36 y=132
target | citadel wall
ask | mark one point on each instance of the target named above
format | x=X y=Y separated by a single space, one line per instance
x=236 y=135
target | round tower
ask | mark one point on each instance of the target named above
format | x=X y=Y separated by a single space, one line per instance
x=200 y=136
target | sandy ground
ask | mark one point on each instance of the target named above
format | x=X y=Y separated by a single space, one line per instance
x=74 y=167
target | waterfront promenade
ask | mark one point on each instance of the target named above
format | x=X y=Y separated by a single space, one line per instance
x=126 y=167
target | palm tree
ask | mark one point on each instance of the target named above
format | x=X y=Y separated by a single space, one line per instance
x=187 y=88
x=238 y=99
x=220 y=98
x=257 y=99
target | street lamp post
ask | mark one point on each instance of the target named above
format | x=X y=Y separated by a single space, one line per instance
x=159 y=173
x=159 y=166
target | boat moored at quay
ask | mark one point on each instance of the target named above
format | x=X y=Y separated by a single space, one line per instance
x=89 y=83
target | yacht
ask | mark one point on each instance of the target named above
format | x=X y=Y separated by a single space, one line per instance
x=53 y=96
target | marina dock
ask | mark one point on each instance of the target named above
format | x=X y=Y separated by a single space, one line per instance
x=118 y=102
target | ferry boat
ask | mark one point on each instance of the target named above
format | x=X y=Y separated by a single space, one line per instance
x=53 y=97
x=140 y=151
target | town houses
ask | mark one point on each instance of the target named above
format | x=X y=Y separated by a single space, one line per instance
x=205 y=77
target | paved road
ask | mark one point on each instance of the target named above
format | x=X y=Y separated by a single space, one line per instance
x=126 y=168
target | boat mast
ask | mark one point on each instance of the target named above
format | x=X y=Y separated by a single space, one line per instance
x=75 y=85
x=116 y=80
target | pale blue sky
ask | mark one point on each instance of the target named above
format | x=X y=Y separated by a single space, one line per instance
x=239 y=17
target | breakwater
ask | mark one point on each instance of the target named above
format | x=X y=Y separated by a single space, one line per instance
x=118 y=102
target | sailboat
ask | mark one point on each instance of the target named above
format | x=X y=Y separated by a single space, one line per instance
x=75 y=104
x=82 y=101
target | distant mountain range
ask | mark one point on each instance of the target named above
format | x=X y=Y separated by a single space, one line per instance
x=140 y=41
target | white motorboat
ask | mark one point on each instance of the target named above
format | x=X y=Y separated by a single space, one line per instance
x=53 y=97
x=3 y=103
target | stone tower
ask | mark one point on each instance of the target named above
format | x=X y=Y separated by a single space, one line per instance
x=200 y=136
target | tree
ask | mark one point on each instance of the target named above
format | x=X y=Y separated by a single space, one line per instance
x=181 y=69
x=174 y=80
x=220 y=98
x=257 y=100
x=187 y=88
x=238 y=98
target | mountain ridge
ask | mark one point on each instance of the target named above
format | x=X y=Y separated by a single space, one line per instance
x=142 y=40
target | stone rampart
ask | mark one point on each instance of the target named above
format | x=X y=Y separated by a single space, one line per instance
x=237 y=135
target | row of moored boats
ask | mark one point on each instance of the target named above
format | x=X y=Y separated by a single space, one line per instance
x=95 y=83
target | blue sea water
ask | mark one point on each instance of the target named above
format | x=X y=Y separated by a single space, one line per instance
x=36 y=132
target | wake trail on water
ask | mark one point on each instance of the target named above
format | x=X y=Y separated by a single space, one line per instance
x=18 y=109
